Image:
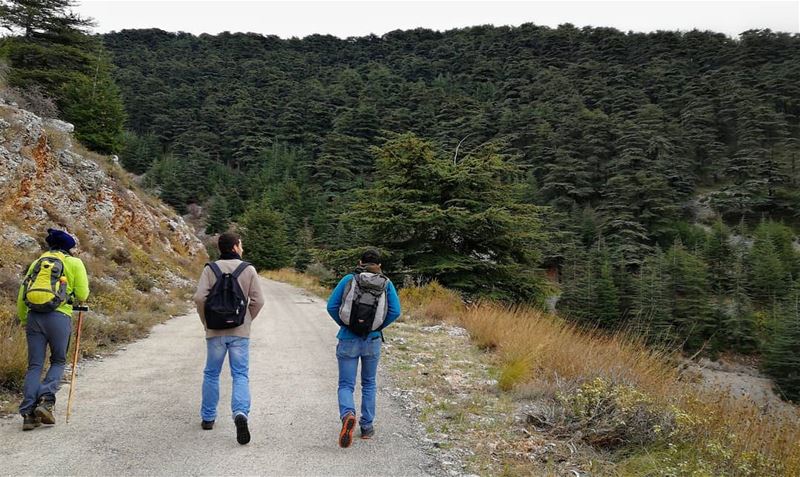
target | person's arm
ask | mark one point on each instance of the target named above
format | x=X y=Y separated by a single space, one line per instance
x=80 y=280
x=256 y=295
x=203 y=288
x=335 y=300
x=393 y=304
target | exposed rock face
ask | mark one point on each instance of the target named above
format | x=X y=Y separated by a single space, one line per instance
x=46 y=181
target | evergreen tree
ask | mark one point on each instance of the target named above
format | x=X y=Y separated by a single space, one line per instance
x=738 y=319
x=219 y=216
x=305 y=244
x=579 y=288
x=689 y=320
x=41 y=17
x=782 y=355
x=170 y=175
x=95 y=107
x=54 y=53
x=768 y=274
x=652 y=305
x=462 y=224
x=718 y=255
x=607 y=298
x=264 y=233
x=139 y=152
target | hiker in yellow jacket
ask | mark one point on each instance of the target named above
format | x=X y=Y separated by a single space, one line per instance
x=44 y=306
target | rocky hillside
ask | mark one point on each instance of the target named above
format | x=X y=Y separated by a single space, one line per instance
x=48 y=180
x=141 y=256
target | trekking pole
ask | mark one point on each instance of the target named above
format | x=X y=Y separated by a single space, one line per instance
x=80 y=309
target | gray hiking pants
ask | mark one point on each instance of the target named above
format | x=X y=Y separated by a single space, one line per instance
x=45 y=329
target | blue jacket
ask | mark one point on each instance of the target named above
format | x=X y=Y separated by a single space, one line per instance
x=335 y=302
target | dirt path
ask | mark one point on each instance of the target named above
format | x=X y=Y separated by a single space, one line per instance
x=137 y=413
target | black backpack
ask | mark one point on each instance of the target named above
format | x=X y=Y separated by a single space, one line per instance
x=226 y=305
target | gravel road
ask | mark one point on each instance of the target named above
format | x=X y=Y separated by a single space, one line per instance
x=137 y=413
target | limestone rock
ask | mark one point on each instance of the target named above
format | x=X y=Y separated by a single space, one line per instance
x=60 y=125
x=45 y=182
x=12 y=235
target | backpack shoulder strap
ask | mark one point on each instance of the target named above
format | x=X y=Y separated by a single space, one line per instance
x=32 y=268
x=240 y=269
x=215 y=269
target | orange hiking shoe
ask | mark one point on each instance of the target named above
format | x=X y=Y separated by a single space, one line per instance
x=348 y=426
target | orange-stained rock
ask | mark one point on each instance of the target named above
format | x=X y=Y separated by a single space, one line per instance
x=46 y=182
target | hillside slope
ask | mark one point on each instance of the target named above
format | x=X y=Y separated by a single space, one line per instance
x=140 y=254
x=50 y=181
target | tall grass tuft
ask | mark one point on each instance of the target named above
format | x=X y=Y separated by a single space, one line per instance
x=13 y=354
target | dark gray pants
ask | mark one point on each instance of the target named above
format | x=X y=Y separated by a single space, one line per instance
x=45 y=329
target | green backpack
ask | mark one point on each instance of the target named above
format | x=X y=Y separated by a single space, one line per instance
x=45 y=287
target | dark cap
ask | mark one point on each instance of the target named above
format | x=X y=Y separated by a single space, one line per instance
x=60 y=240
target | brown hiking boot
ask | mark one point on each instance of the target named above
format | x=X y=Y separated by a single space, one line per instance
x=44 y=411
x=346 y=434
x=30 y=422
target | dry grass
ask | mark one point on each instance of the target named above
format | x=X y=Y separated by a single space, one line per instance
x=713 y=432
x=13 y=353
x=104 y=331
x=292 y=277
x=13 y=345
x=556 y=349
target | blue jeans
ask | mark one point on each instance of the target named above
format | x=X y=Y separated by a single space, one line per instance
x=348 y=353
x=238 y=351
x=45 y=329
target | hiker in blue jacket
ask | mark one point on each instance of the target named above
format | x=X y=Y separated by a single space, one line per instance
x=362 y=304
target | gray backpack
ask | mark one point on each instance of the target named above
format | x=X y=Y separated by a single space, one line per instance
x=364 y=307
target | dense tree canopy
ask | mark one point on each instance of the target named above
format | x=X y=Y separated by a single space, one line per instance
x=656 y=172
